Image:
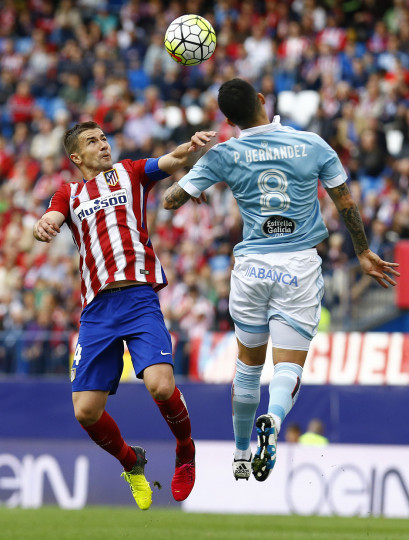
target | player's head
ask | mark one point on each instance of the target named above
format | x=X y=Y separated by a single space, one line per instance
x=241 y=104
x=88 y=148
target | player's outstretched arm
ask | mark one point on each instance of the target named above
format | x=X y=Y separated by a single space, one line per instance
x=186 y=155
x=175 y=196
x=48 y=226
x=375 y=267
x=370 y=262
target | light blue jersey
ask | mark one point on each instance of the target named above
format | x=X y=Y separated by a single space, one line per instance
x=273 y=172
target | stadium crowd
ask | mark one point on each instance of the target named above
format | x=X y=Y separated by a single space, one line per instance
x=68 y=61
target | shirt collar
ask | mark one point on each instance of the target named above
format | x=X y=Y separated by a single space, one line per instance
x=275 y=124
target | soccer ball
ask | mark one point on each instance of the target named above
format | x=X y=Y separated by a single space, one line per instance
x=190 y=40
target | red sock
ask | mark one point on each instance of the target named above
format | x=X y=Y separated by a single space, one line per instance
x=175 y=413
x=105 y=433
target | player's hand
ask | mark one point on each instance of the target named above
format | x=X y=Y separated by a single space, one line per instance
x=45 y=230
x=200 y=139
x=199 y=200
x=374 y=266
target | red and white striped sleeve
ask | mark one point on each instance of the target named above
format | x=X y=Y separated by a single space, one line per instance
x=60 y=201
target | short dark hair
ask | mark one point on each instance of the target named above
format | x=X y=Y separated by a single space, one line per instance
x=70 y=141
x=238 y=102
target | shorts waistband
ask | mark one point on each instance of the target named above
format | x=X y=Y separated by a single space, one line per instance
x=118 y=289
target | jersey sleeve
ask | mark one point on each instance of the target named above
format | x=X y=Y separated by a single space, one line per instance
x=203 y=175
x=331 y=173
x=153 y=171
x=60 y=201
x=145 y=170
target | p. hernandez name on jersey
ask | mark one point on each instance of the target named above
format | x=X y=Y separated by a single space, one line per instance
x=270 y=154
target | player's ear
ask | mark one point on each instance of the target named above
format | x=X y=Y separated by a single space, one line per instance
x=261 y=98
x=75 y=158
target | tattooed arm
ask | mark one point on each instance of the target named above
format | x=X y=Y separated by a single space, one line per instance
x=175 y=197
x=350 y=215
x=370 y=262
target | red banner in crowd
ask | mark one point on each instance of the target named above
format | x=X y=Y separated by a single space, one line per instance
x=339 y=358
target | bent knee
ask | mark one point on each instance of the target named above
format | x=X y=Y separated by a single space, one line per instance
x=87 y=416
x=161 y=390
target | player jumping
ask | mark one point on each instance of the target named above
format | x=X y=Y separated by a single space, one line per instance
x=120 y=274
x=276 y=283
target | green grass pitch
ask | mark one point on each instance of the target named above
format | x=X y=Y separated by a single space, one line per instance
x=112 y=523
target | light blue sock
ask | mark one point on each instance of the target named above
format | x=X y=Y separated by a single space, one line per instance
x=245 y=400
x=284 y=389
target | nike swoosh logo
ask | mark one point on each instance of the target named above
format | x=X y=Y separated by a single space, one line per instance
x=165 y=353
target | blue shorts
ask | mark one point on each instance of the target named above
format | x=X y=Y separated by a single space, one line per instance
x=132 y=315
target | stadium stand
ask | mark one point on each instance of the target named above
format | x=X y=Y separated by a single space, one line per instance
x=340 y=69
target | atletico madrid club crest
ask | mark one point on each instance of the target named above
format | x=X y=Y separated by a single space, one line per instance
x=111 y=177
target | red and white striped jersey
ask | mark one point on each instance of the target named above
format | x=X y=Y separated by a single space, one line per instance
x=107 y=219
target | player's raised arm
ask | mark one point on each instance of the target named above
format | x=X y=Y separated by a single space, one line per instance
x=370 y=262
x=175 y=197
x=48 y=226
x=186 y=155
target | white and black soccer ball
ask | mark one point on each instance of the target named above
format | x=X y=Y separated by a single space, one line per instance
x=190 y=40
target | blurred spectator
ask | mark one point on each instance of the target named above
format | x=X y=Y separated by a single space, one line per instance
x=73 y=93
x=292 y=433
x=372 y=160
x=67 y=19
x=21 y=140
x=46 y=143
x=194 y=313
x=105 y=20
x=6 y=86
x=20 y=104
x=49 y=181
x=11 y=60
x=314 y=436
x=292 y=47
x=222 y=319
x=139 y=125
x=259 y=49
x=6 y=159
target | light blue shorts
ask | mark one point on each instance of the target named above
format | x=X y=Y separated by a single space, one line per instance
x=283 y=286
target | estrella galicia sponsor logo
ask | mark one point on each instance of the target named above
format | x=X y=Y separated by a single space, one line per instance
x=271 y=275
x=278 y=226
x=111 y=177
x=89 y=208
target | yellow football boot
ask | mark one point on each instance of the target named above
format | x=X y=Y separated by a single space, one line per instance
x=140 y=487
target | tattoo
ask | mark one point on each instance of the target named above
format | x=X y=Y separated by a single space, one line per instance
x=341 y=190
x=175 y=197
x=350 y=215
x=353 y=221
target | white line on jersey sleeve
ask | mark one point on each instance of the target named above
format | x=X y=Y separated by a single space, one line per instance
x=191 y=189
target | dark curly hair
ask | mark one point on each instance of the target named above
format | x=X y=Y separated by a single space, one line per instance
x=238 y=102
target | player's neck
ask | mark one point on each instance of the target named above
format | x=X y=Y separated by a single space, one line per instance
x=89 y=173
x=261 y=120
